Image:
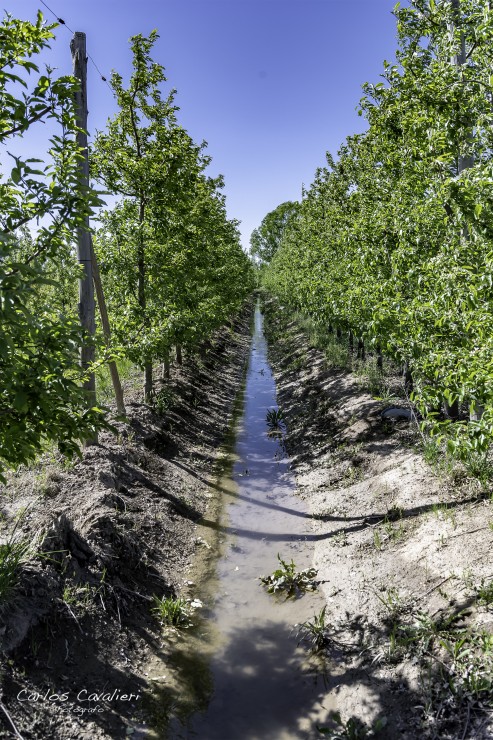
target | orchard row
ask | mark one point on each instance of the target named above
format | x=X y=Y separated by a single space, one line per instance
x=393 y=241
x=171 y=262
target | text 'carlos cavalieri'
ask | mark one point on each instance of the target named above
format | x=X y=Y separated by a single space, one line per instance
x=84 y=695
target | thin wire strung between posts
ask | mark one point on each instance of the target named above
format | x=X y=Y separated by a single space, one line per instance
x=63 y=23
x=60 y=20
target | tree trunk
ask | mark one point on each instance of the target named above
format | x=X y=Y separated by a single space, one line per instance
x=407 y=377
x=105 y=323
x=361 y=349
x=452 y=409
x=467 y=160
x=477 y=413
x=141 y=294
x=351 y=342
x=379 y=357
x=179 y=356
x=165 y=369
x=148 y=388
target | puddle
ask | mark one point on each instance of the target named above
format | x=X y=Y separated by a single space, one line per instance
x=239 y=674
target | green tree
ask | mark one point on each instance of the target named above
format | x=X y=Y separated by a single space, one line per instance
x=394 y=240
x=171 y=260
x=41 y=206
x=266 y=240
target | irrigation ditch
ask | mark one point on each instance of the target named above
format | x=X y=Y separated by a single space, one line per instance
x=374 y=614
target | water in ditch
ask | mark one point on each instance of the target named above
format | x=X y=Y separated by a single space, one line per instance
x=240 y=673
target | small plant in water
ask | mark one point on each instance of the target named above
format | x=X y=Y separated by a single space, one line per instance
x=275 y=420
x=173 y=612
x=315 y=632
x=288 y=580
x=353 y=729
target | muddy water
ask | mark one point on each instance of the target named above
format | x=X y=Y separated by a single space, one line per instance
x=240 y=675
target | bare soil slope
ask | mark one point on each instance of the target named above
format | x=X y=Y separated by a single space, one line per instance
x=106 y=534
x=403 y=554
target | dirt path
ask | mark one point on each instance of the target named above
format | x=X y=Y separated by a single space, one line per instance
x=403 y=554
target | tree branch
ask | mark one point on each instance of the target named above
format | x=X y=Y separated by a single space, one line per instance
x=26 y=123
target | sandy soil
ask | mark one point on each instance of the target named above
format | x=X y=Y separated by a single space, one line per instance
x=395 y=544
x=107 y=534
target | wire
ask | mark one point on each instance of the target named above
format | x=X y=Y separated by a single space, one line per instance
x=100 y=73
x=63 y=23
x=60 y=20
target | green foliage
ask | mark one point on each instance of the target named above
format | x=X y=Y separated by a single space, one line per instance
x=12 y=554
x=266 y=240
x=352 y=729
x=316 y=632
x=393 y=239
x=42 y=204
x=171 y=260
x=173 y=612
x=275 y=420
x=287 y=580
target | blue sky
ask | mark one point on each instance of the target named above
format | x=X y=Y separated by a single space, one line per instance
x=271 y=85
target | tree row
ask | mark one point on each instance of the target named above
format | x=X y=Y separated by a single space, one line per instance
x=393 y=241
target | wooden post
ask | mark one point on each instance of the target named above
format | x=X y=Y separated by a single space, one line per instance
x=105 y=323
x=84 y=250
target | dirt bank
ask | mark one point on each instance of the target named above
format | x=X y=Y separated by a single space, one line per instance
x=105 y=535
x=403 y=554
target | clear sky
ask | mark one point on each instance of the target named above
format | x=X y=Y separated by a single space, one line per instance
x=271 y=85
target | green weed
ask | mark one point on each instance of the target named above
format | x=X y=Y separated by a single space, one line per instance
x=286 y=579
x=164 y=398
x=12 y=554
x=315 y=632
x=395 y=605
x=377 y=539
x=484 y=593
x=173 y=612
x=479 y=467
x=296 y=364
x=275 y=420
x=352 y=729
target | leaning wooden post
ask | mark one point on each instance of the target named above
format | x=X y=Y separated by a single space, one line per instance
x=105 y=323
x=86 y=286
